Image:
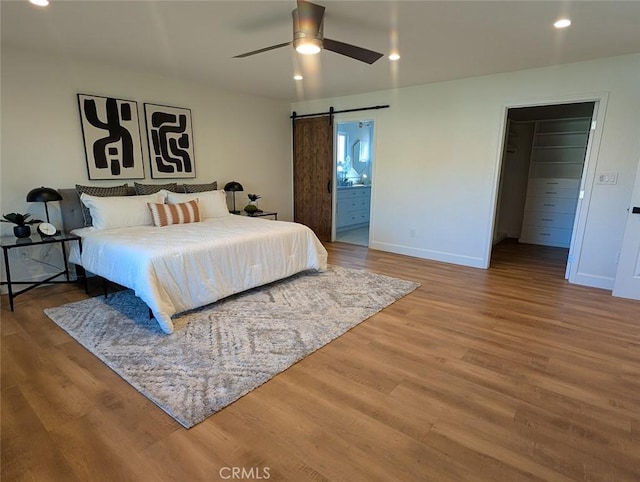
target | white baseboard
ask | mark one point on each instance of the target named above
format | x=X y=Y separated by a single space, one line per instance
x=594 y=281
x=430 y=254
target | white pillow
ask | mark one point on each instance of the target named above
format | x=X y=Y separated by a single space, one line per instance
x=121 y=211
x=213 y=204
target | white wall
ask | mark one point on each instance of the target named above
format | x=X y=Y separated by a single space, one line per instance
x=438 y=152
x=235 y=136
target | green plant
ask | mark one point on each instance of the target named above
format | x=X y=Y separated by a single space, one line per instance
x=19 y=219
x=253 y=197
x=250 y=208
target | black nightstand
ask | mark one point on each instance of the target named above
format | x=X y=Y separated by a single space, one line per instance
x=10 y=242
x=260 y=214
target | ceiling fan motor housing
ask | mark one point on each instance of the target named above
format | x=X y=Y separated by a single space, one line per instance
x=308 y=25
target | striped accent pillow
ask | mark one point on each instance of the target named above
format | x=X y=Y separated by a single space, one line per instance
x=182 y=213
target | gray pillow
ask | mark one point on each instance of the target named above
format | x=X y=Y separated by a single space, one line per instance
x=100 y=192
x=142 y=189
x=189 y=188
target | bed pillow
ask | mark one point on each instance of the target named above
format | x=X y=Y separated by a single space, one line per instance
x=189 y=188
x=142 y=189
x=121 y=211
x=181 y=213
x=213 y=204
x=99 y=192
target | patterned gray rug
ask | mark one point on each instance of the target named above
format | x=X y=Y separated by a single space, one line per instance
x=220 y=352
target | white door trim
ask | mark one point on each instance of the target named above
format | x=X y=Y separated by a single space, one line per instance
x=582 y=209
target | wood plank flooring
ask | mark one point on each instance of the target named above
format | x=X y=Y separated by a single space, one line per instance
x=504 y=374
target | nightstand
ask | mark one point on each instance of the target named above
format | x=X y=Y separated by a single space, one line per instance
x=260 y=214
x=11 y=242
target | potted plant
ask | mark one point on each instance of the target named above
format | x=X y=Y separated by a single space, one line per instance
x=22 y=222
x=252 y=207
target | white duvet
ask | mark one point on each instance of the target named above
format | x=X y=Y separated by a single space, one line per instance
x=181 y=267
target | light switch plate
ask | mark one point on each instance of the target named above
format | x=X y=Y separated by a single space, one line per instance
x=607 y=178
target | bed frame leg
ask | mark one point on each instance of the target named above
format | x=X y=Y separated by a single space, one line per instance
x=81 y=274
x=105 y=287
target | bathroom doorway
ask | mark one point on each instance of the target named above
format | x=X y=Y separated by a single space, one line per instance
x=353 y=181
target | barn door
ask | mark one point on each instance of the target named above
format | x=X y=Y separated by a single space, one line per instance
x=312 y=174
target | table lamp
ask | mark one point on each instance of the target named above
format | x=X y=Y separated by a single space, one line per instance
x=44 y=195
x=233 y=186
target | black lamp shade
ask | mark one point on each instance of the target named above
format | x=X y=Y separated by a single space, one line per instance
x=43 y=195
x=233 y=186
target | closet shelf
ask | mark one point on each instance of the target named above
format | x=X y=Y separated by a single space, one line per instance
x=557 y=161
x=560 y=147
x=561 y=133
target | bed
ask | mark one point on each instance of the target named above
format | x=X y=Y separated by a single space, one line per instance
x=178 y=267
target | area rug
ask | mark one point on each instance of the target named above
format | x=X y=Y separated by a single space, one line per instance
x=220 y=352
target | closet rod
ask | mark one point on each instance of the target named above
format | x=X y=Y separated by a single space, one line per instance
x=332 y=112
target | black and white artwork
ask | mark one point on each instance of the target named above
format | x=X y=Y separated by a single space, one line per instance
x=170 y=141
x=111 y=132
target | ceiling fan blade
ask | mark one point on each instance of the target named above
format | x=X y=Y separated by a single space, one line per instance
x=259 y=51
x=358 y=53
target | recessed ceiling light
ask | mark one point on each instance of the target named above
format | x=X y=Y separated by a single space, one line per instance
x=298 y=77
x=394 y=56
x=40 y=3
x=562 y=23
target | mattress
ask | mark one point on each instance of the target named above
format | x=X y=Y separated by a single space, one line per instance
x=180 y=267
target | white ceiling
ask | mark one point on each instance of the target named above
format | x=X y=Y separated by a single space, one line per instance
x=438 y=40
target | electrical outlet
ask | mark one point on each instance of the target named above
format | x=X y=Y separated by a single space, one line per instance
x=412 y=232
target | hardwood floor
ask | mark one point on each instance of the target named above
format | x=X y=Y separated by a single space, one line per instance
x=504 y=374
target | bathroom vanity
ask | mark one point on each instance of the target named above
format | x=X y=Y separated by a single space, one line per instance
x=353 y=206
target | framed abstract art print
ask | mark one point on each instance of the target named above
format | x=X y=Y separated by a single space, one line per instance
x=111 y=133
x=170 y=139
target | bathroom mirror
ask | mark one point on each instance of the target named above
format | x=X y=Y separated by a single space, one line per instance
x=357 y=164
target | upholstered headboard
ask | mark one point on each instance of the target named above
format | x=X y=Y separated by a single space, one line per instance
x=71 y=210
x=71 y=207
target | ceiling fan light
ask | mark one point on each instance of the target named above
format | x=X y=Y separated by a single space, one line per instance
x=307 y=46
x=308 y=49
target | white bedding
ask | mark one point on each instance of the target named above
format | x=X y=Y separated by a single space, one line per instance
x=184 y=266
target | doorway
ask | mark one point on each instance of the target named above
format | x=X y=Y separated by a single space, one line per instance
x=544 y=161
x=353 y=180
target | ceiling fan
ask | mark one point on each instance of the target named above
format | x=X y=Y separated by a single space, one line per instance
x=308 y=24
